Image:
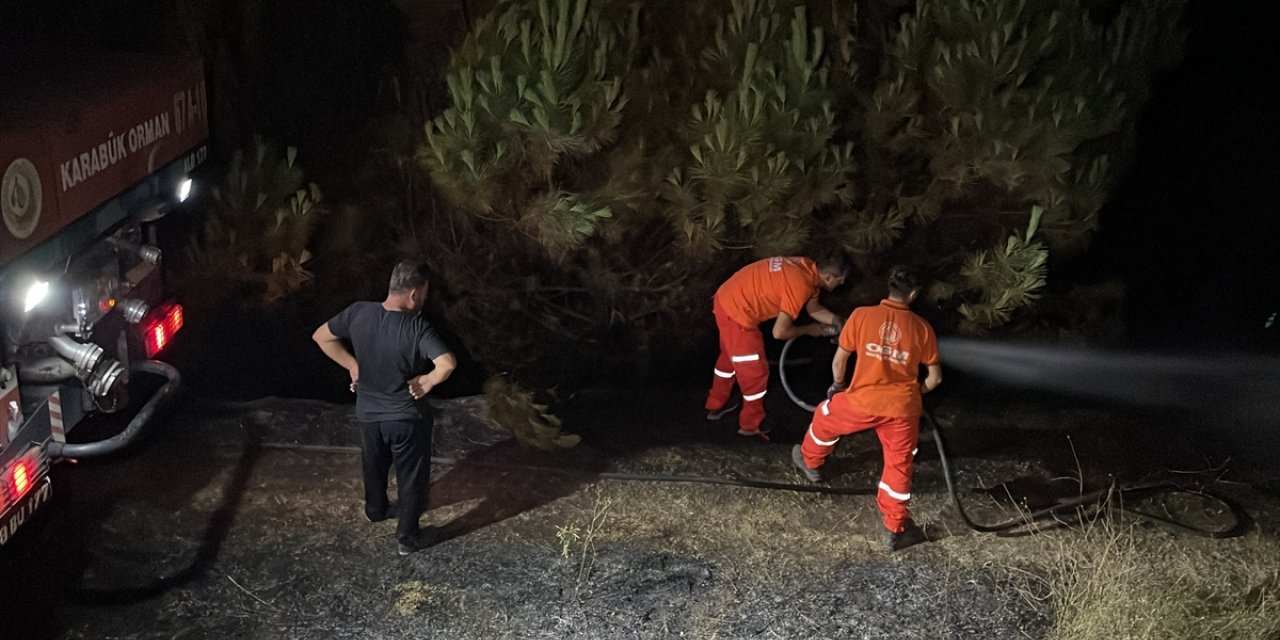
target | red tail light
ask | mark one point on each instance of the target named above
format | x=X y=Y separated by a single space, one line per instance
x=160 y=326
x=18 y=479
x=21 y=478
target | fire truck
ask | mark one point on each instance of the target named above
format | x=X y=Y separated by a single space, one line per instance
x=96 y=152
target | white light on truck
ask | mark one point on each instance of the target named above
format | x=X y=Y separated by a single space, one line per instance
x=35 y=294
x=184 y=190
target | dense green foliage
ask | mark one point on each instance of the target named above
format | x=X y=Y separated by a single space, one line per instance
x=256 y=235
x=601 y=174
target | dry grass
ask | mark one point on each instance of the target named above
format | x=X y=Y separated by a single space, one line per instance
x=1115 y=581
x=414 y=596
x=585 y=536
x=1114 y=578
x=746 y=524
x=1107 y=579
x=1111 y=576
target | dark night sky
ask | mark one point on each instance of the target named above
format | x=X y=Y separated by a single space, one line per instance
x=1194 y=226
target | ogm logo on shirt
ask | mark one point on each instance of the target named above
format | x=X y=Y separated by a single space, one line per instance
x=775 y=264
x=890 y=334
x=887 y=348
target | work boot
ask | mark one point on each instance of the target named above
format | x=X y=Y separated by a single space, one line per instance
x=421 y=540
x=762 y=431
x=722 y=411
x=797 y=458
x=910 y=536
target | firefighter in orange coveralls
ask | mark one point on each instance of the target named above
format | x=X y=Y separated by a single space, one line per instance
x=773 y=288
x=891 y=344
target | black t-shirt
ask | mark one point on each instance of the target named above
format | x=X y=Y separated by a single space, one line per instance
x=391 y=347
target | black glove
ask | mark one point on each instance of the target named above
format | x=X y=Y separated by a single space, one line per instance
x=833 y=330
x=836 y=387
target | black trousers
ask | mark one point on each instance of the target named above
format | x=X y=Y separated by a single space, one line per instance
x=406 y=444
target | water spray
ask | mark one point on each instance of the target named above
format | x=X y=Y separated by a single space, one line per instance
x=1238 y=383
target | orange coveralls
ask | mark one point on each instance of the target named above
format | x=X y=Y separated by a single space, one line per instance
x=756 y=293
x=890 y=343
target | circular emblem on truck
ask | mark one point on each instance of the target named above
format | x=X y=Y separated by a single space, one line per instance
x=20 y=198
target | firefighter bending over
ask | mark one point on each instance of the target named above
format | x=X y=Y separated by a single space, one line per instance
x=891 y=344
x=773 y=288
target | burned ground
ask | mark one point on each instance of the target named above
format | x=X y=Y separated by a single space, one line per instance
x=222 y=527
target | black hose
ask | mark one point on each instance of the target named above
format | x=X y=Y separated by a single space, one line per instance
x=1058 y=511
x=782 y=374
x=1113 y=497
x=125 y=437
x=607 y=475
x=1099 y=499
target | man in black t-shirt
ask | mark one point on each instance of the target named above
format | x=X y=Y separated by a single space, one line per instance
x=391 y=346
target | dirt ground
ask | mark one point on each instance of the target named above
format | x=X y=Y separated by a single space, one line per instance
x=216 y=528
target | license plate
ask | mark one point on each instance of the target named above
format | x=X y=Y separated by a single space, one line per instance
x=27 y=506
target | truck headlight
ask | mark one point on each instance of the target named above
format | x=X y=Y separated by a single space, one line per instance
x=184 y=190
x=36 y=294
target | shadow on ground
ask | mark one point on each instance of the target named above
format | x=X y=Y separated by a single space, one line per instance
x=81 y=548
x=506 y=479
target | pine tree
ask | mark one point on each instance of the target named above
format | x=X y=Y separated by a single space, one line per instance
x=552 y=234
x=257 y=232
x=533 y=88
x=762 y=158
x=600 y=176
x=982 y=109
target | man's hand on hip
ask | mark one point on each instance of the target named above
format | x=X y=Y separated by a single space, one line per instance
x=354 y=371
x=420 y=386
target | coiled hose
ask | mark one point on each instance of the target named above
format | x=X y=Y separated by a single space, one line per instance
x=1113 y=497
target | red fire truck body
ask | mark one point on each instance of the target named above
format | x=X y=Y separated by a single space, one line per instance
x=95 y=152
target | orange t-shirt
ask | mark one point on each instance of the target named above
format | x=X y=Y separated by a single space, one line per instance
x=765 y=288
x=890 y=343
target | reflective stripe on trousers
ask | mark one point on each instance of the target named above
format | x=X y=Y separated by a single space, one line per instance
x=742 y=358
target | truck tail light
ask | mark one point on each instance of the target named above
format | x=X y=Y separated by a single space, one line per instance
x=159 y=327
x=19 y=478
